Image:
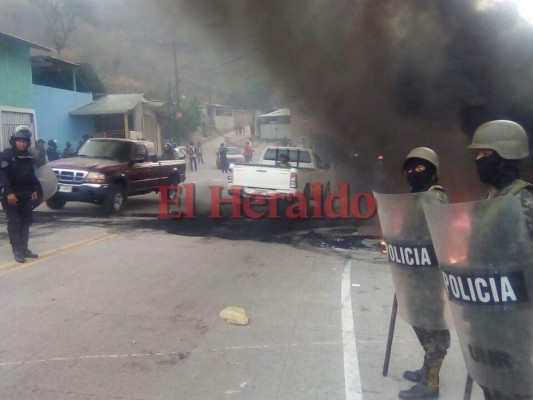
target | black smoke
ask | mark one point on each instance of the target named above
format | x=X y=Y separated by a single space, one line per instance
x=388 y=75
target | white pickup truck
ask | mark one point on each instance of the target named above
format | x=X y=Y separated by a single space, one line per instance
x=268 y=178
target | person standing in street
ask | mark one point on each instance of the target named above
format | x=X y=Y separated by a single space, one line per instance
x=499 y=146
x=191 y=152
x=248 y=152
x=21 y=191
x=421 y=169
x=199 y=153
x=52 y=152
x=40 y=158
x=68 y=152
x=223 y=158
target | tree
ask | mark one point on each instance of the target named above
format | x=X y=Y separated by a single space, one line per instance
x=62 y=18
x=180 y=130
x=191 y=117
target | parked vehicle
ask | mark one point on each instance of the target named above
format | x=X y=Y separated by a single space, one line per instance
x=234 y=155
x=108 y=171
x=269 y=178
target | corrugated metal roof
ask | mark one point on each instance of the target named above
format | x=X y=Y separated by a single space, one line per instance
x=26 y=42
x=115 y=104
x=278 y=113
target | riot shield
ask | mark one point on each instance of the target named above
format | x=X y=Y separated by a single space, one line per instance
x=486 y=258
x=417 y=280
x=48 y=180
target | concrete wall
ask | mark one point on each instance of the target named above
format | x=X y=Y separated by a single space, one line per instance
x=15 y=75
x=52 y=107
x=151 y=129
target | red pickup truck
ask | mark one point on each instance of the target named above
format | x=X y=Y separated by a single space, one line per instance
x=107 y=171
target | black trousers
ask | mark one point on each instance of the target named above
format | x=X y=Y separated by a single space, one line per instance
x=19 y=219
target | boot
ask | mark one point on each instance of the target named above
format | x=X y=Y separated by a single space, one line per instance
x=416 y=376
x=420 y=391
x=29 y=254
x=19 y=258
x=427 y=389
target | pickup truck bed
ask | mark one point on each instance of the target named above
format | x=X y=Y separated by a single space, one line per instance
x=264 y=179
x=267 y=178
x=107 y=171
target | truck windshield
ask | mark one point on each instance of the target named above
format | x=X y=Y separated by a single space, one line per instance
x=119 y=151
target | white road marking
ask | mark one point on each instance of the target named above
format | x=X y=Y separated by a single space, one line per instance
x=173 y=353
x=352 y=377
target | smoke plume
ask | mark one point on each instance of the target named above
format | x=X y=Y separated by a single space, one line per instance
x=385 y=76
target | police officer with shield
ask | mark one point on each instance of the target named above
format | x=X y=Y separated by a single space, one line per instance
x=500 y=145
x=421 y=169
x=21 y=191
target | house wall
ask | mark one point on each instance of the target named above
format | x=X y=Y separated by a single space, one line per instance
x=16 y=91
x=151 y=129
x=52 y=107
x=15 y=75
x=137 y=118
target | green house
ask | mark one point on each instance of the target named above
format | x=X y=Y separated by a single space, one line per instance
x=16 y=87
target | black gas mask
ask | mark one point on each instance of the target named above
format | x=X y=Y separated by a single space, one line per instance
x=420 y=174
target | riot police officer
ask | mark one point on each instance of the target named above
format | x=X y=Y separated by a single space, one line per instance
x=421 y=169
x=500 y=145
x=21 y=191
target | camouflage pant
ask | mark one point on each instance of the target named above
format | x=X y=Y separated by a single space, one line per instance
x=435 y=343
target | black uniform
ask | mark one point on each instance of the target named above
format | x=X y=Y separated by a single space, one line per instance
x=17 y=176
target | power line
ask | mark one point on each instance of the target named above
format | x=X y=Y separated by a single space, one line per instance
x=235 y=59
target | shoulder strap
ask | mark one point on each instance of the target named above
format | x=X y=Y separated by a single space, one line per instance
x=518 y=186
x=436 y=187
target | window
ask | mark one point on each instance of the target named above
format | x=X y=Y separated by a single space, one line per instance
x=294 y=155
x=140 y=150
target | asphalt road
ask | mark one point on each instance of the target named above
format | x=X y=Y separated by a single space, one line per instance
x=128 y=308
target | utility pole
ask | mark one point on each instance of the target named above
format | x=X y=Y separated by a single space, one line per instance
x=210 y=108
x=177 y=88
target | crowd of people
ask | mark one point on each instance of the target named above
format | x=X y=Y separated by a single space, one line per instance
x=194 y=154
x=44 y=152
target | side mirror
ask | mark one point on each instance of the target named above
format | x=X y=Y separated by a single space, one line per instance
x=138 y=159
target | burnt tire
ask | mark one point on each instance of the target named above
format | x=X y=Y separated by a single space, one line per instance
x=115 y=200
x=55 y=203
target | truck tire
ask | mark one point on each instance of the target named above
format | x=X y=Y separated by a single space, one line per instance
x=174 y=182
x=56 y=203
x=114 y=200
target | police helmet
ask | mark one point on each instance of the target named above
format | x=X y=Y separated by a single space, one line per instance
x=21 y=132
x=507 y=138
x=424 y=153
